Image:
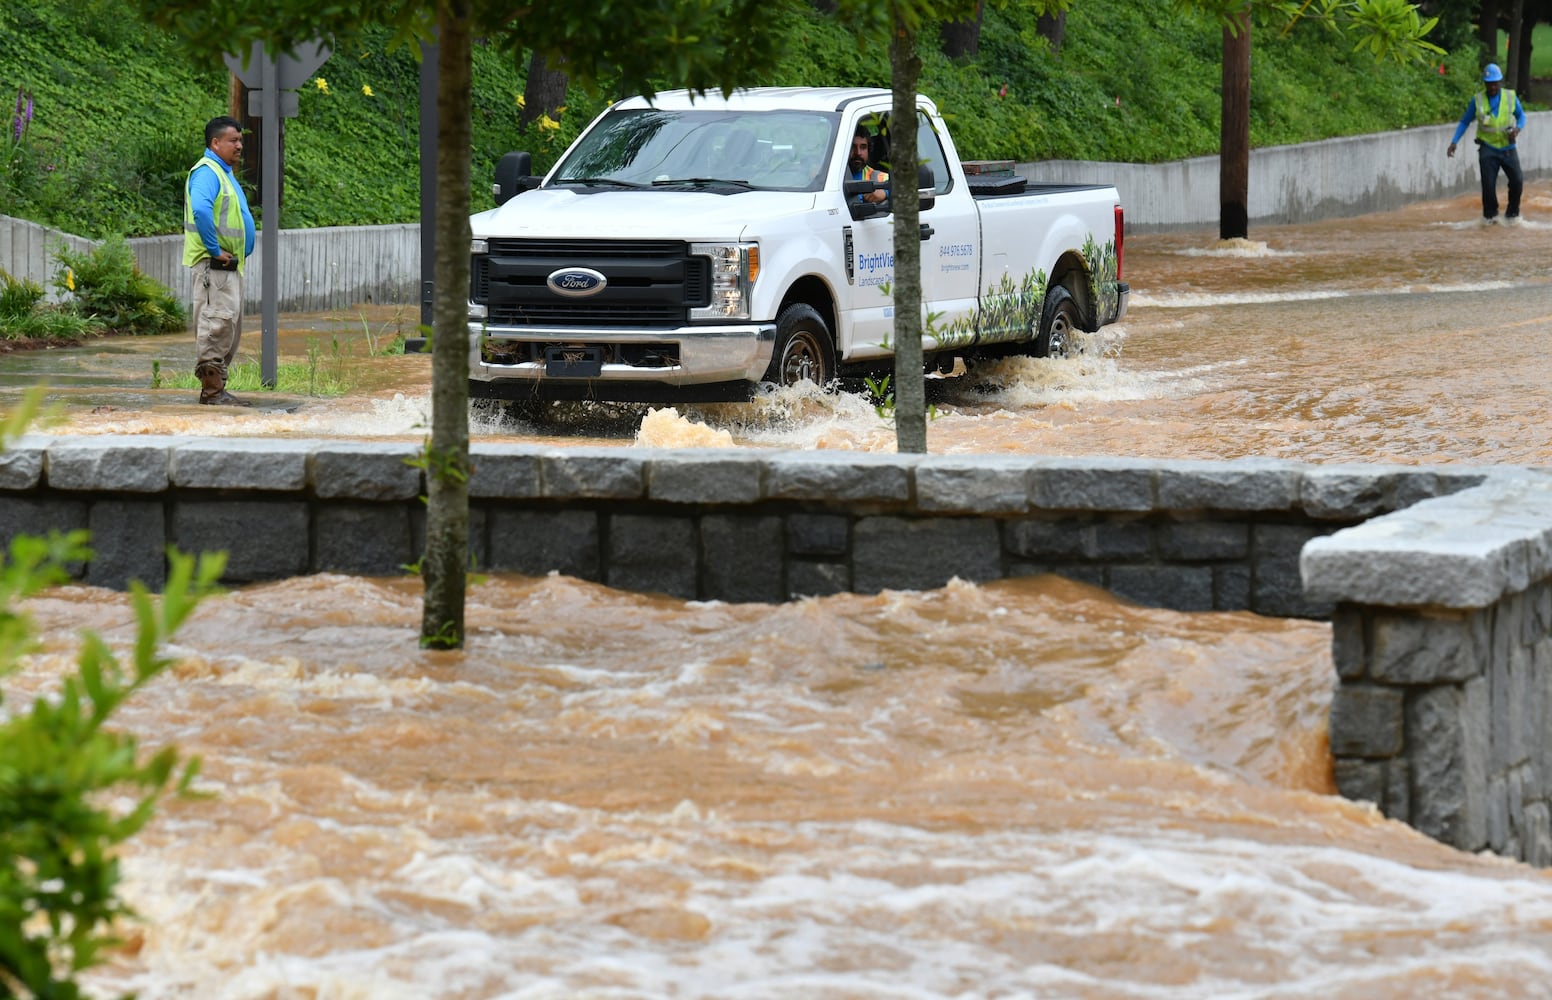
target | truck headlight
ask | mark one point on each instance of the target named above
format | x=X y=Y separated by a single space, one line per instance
x=734 y=268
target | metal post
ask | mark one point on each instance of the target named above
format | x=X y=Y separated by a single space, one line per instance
x=270 y=245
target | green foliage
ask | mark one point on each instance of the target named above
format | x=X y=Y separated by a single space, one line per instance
x=310 y=378
x=107 y=91
x=48 y=323
x=1134 y=82
x=63 y=771
x=325 y=373
x=24 y=314
x=881 y=395
x=109 y=287
x=18 y=296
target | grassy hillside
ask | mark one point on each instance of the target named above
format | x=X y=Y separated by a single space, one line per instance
x=118 y=110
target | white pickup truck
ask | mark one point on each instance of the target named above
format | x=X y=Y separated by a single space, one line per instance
x=687 y=248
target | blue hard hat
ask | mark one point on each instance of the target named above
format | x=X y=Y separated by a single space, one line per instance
x=1493 y=74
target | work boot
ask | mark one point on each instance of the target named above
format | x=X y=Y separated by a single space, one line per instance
x=223 y=398
x=212 y=391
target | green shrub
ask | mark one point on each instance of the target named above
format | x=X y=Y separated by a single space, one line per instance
x=62 y=769
x=109 y=287
x=24 y=314
x=48 y=323
x=18 y=296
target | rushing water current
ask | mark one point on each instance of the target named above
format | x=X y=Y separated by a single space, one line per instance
x=1019 y=789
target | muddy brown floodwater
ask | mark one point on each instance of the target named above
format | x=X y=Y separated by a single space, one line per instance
x=1019 y=789
x=1413 y=336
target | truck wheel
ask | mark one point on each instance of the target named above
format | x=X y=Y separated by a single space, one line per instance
x=1059 y=321
x=803 y=348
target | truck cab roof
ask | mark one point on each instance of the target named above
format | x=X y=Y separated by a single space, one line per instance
x=764 y=99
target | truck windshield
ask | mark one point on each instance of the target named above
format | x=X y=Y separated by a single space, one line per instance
x=699 y=150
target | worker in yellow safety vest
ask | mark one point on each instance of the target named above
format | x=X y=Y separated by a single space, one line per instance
x=218 y=236
x=1500 y=118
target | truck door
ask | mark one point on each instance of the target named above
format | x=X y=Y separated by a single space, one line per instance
x=868 y=315
x=951 y=246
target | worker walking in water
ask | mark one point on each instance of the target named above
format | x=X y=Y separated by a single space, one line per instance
x=1500 y=119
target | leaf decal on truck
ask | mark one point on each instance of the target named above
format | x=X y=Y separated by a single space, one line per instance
x=1009 y=311
x=1101 y=263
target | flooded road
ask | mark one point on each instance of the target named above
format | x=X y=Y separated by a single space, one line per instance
x=1413 y=336
x=1022 y=789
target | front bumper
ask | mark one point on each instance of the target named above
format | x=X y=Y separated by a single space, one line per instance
x=688 y=364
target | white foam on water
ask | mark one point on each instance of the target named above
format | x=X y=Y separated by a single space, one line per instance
x=1200 y=300
x=1237 y=248
x=666 y=428
x=678 y=907
x=1474 y=286
x=1197 y=300
x=1018 y=383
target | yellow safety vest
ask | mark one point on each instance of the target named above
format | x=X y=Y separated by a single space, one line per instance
x=231 y=234
x=1493 y=129
x=870 y=174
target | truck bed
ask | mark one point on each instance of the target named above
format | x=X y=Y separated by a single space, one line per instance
x=990 y=186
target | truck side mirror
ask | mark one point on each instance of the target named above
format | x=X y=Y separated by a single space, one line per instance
x=926 y=187
x=865 y=209
x=513 y=177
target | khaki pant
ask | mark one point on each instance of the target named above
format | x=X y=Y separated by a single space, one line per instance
x=218 y=309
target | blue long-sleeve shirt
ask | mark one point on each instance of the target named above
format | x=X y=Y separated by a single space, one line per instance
x=204 y=186
x=1492 y=105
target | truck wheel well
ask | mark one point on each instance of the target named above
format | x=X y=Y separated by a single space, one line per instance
x=1071 y=273
x=812 y=291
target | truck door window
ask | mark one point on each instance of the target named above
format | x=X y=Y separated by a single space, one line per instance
x=930 y=151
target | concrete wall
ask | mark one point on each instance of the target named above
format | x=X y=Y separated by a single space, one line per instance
x=1442 y=638
x=321 y=269
x=27 y=251
x=336 y=268
x=1305 y=183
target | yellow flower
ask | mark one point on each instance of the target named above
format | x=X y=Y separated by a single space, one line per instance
x=548 y=124
x=322 y=84
x=69 y=279
x=561 y=109
x=366 y=90
x=520 y=102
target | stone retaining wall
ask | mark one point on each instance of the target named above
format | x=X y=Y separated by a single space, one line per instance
x=734 y=524
x=1442 y=638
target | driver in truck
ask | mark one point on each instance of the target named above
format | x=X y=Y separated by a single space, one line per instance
x=858 y=165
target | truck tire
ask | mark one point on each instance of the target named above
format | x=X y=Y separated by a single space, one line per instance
x=803 y=348
x=1059 y=321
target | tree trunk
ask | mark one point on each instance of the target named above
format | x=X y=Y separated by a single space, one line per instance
x=963 y=38
x=910 y=384
x=1528 y=21
x=1487 y=28
x=1517 y=31
x=1053 y=28
x=1234 y=132
x=444 y=566
x=544 y=92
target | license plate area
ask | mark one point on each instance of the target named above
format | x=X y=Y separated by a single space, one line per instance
x=573 y=362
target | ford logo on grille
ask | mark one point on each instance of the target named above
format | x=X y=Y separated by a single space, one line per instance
x=576 y=282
